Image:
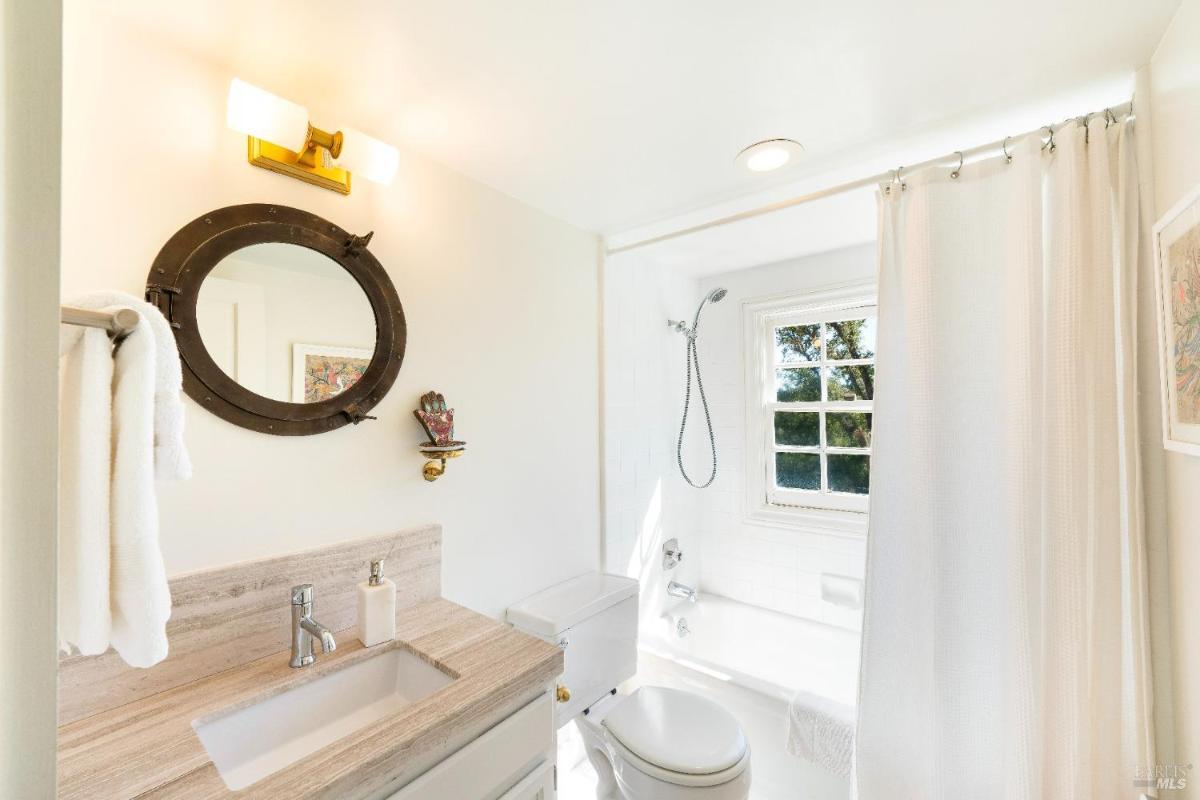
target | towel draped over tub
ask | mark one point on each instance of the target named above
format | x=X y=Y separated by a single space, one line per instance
x=821 y=730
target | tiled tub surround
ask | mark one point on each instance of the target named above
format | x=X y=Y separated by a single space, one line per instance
x=128 y=733
x=779 y=567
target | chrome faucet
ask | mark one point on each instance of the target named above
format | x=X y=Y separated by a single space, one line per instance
x=305 y=628
x=677 y=589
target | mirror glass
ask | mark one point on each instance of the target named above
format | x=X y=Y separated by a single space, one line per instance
x=286 y=322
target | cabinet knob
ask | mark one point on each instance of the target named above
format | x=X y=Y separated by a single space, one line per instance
x=562 y=694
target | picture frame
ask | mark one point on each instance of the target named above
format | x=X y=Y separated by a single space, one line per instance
x=1177 y=301
x=316 y=368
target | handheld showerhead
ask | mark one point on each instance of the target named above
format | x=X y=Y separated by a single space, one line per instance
x=680 y=326
x=693 y=365
x=715 y=296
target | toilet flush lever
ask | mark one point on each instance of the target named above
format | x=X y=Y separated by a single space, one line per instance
x=672 y=554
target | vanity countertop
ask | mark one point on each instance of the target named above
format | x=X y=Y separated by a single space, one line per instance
x=148 y=749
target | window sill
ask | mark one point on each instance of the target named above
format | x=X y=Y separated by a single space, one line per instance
x=851 y=524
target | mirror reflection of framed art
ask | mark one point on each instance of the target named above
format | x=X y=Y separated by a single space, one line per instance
x=320 y=372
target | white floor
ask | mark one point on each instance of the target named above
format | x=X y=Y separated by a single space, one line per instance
x=777 y=775
x=576 y=778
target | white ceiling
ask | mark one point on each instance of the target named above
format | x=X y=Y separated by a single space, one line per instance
x=615 y=113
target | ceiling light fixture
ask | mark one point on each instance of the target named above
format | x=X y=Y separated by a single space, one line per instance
x=768 y=154
x=282 y=139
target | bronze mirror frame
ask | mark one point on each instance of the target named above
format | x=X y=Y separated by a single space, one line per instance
x=195 y=250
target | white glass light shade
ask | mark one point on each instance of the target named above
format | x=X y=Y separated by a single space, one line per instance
x=258 y=113
x=770 y=154
x=767 y=159
x=368 y=157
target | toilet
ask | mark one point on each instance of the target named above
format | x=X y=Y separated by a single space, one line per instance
x=655 y=743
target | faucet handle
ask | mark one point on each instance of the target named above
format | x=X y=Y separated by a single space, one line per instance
x=672 y=554
x=302 y=595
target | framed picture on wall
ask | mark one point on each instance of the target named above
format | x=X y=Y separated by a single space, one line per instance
x=320 y=372
x=1177 y=284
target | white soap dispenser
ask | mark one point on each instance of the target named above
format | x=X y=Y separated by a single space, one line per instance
x=376 y=608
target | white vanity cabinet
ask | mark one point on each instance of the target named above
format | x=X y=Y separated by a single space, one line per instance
x=514 y=760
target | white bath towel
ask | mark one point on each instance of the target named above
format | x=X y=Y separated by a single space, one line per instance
x=85 y=423
x=821 y=730
x=145 y=440
x=171 y=460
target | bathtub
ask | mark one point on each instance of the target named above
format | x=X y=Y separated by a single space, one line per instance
x=775 y=654
x=791 y=682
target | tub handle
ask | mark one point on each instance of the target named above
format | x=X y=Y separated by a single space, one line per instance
x=672 y=554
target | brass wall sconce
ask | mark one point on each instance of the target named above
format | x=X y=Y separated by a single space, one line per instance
x=281 y=138
x=438 y=422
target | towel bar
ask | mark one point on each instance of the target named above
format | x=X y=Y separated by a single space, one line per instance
x=119 y=323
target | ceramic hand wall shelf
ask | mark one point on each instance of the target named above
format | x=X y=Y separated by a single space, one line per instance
x=438 y=422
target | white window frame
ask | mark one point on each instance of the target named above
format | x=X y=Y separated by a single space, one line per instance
x=766 y=503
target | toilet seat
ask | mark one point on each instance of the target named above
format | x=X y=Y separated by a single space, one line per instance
x=669 y=726
x=678 y=734
x=643 y=767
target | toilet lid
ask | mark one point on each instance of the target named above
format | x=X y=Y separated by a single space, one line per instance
x=677 y=731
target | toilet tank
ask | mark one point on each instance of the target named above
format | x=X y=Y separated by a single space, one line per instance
x=594 y=618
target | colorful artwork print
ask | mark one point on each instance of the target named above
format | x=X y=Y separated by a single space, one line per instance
x=320 y=372
x=329 y=376
x=1177 y=285
x=1183 y=268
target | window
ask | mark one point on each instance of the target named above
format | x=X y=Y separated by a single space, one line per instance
x=812 y=395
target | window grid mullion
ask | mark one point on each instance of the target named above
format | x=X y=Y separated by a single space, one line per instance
x=821 y=413
x=835 y=362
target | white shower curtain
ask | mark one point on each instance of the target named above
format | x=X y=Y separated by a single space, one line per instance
x=1005 y=651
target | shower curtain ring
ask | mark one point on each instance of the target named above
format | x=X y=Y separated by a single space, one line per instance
x=1050 y=144
x=900 y=179
x=1004 y=148
x=1109 y=118
x=958 y=170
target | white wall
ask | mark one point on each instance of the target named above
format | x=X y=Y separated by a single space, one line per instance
x=772 y=567
x=502 y=306
x=1175 y=116
x=30 y=119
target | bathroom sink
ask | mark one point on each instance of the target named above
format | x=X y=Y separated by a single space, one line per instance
x=251 y=743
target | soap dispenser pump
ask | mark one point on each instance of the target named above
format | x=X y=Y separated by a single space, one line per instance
x=376 y=608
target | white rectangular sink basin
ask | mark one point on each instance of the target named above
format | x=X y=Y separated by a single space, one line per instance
x=251 y=743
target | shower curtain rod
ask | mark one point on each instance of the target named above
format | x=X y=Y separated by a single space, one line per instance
x=1115 y=113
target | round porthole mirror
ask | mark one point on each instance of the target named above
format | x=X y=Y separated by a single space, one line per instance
x=286 y=324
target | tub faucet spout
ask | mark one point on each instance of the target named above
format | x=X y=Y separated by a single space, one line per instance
x=677 y=589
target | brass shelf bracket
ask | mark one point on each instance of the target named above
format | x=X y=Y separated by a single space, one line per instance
x=436 y=466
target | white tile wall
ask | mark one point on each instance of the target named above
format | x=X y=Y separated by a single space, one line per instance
x=646 y=501
x=775 y=567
